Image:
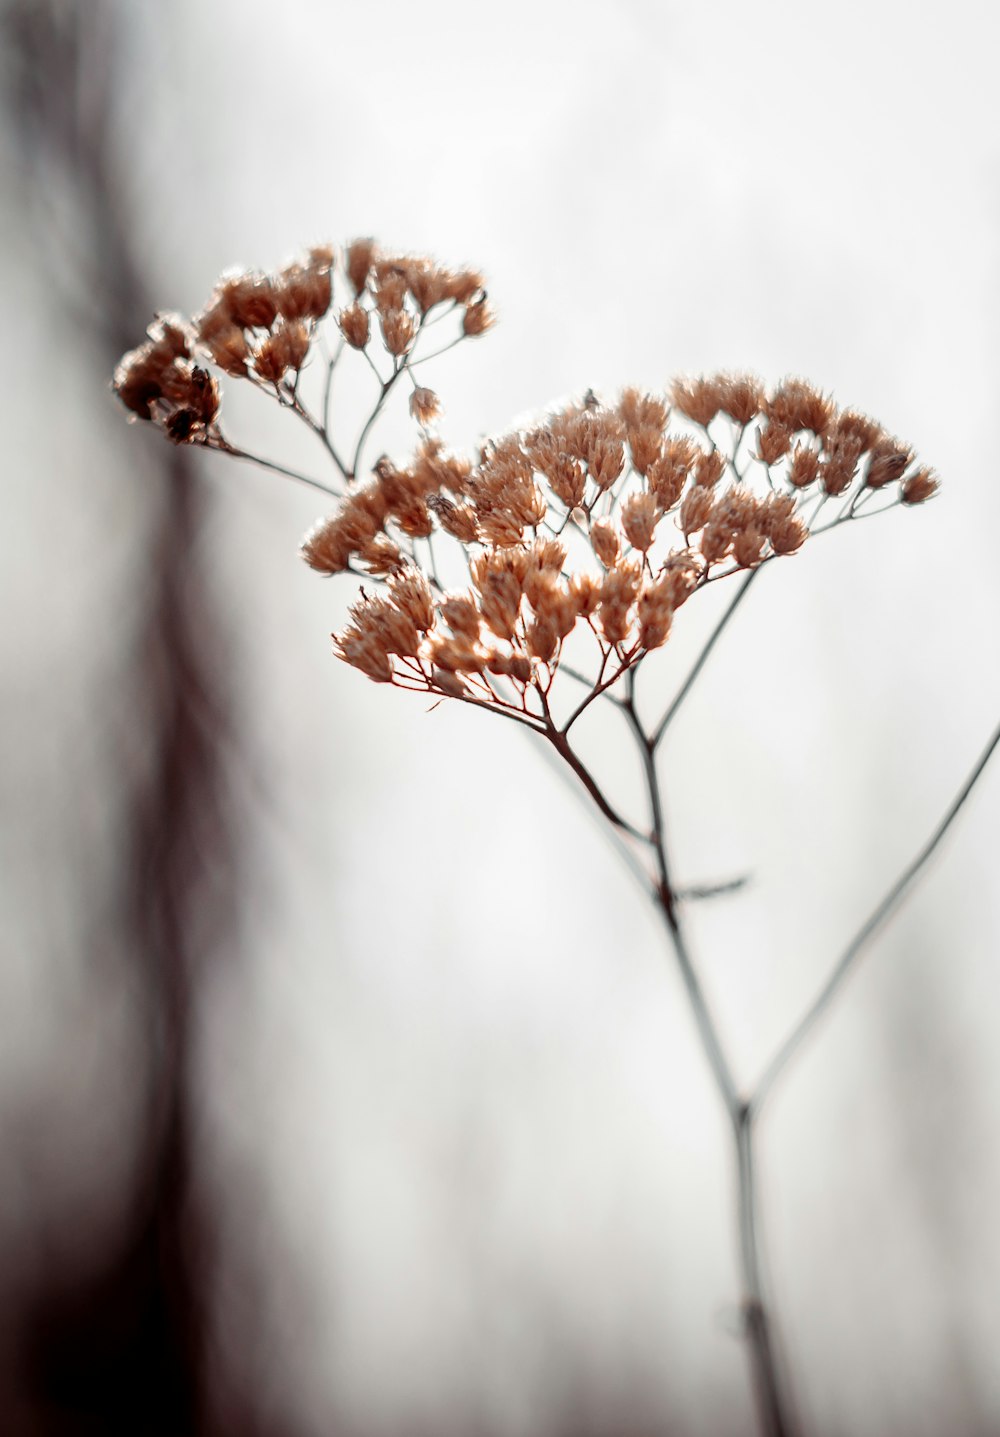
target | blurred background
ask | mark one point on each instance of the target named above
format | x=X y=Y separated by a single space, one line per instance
x=345 y=1086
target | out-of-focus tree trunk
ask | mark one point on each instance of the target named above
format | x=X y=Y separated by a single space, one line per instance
x=125 y=1351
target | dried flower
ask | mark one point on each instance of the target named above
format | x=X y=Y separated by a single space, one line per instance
x=558 y=526
x=355 y=325
x=424 y=406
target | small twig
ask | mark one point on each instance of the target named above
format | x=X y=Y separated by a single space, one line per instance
x=222 y=446
x=702 y=659
x=866 y=932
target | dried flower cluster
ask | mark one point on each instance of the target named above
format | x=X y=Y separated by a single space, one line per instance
x=599 y=522
x=262 y=327
x=606 y=517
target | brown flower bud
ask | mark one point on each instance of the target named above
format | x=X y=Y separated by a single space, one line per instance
x=411 y=593
x=748 y=547
x=459 y=520
x=640 y=515
x=803 y=469
x=284 y=348
x=424 y=405
x=668 y=475
x=716 y=539
x=364 y=651
x=774 y=441
x=355 y=325
x=462 y=616
x=229 y=349
x=887 y=463
x=708 y=468
x=700 y=399
x=397 y=331
x=606 y=460
x=919 y=487
x=360 y=255
x=542 y=639
x=478 y=318
x=695 y=510
x=249 y=300
x=585 y=591
x=797 y=405
x=618 y=593
x=655 y=614
x=840 y=465
x=604 y=541
x=457 y=655
x=856 y=427
x=741 y=396
x=380 y=556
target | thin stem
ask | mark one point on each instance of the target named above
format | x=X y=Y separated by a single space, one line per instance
x=757 y=1324
x=867 y=931
x=702 y=659
x=223 y=446
x=387 y=386
x=560 y=743
x=757 y=1331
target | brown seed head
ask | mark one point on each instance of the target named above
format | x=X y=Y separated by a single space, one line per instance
x=585 y=591
x=545 y=555
x=284 y=348
x=411 y=594
x=363 y=650
x=803 y=468
x=695 y=510
x=774 y=441
x=397 y=331
x=797 y=405
x=461 y=613
x=457 y=655
x=249 y=300
x=640 y=515
x=227 y=344
x=668 y=475
x=304 y=291
x=618 y=593
x=464 y=285
x=919 y=487
x=424 y=405
x=748 y=547
x=838 y=469
x=459 y=520
x=604 y=540
x=708 y=468
x=499 y=577
x=390 y=287
x=855 y=427
x=778 y=522
x=716 y=540
x=380 y=556
x=742 y=396
x=360 y=257
x=655 y=614
x=566 y=476
x=889 y=461
x=681 y=575
x=478 y=317
x=355 y=325
x=645 y=418
x=700 y=399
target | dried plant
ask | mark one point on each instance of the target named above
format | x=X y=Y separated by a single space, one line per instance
x=535 y=577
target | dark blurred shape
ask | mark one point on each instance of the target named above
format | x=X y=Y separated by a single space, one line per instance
x=124 y=1349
